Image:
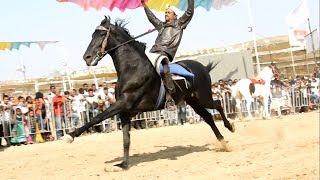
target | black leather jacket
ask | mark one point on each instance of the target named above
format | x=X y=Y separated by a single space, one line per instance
x=170 y=35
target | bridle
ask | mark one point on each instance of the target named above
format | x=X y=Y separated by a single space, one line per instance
x=103 y=52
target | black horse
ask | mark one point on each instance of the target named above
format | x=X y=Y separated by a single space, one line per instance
x=138 y=83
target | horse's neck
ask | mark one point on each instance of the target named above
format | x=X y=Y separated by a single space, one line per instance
x=127 y=59
x=265 y=75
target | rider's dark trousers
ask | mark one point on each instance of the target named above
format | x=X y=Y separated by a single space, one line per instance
x=167 y=79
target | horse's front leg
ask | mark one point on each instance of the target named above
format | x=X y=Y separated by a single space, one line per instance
x=115 y=108
x=125 y=122
x=266 y=107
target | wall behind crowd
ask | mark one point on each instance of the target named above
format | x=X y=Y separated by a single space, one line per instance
x=231 y=66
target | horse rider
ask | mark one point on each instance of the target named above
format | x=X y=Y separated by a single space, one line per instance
x=168 y=40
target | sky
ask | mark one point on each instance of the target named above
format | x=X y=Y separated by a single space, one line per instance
x=49 y=20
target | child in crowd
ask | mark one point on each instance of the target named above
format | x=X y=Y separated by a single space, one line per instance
x=18 y=132
x=30 y=127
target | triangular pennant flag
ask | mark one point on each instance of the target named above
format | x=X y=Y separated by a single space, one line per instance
x=16 y=45
x=5 y=45
x=42 y=44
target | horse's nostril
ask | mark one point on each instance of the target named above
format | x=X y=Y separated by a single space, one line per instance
x=88 y=57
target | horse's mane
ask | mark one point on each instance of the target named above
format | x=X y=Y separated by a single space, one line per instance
x=121 y=25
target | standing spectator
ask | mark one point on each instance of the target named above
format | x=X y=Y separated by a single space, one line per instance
x=31 y=122
x=82 y=106
x=71 y=110
x=40 y=110
x=58 y=103
x=276 y=92
x=29 y=102
x=104 y=85
x=12 y=100
x=85 y=88
x=215 y=91
x=27 y=130
x=92 y=103
x=107 y=97
x=52 y=93
x=230 y=83
x=95 y=90
x=21 y=101
x=18 y=133
x=315 y=90
x=6 y=118
x=112 y=90
x=100 y=108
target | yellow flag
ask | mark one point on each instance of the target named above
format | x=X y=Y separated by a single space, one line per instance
x=161 y=5
x=5 y=45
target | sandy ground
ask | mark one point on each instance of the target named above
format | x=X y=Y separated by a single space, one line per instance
x=285 y=148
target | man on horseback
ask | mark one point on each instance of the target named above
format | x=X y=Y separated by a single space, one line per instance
x=168 y=40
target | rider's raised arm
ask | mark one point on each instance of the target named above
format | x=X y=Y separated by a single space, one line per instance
x=187 y=16
x=152 y=18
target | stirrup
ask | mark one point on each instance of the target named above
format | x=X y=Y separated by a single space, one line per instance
x=170 y=105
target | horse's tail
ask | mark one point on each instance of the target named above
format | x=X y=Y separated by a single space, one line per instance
x=211 y=66
x=251 y=88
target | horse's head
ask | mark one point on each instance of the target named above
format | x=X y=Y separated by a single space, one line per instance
x=275 y=70
x=269 y=71
x=107 y=38
x=101 y=39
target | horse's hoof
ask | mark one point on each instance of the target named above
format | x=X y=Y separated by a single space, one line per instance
x=116 y=168
x=67 y=138
x=266 y=118
x=113 y=169
x=233 y=128
x=224 y=141
x=223 y=147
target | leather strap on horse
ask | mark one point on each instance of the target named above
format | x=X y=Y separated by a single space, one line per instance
x=148 y=32
x=105 y=41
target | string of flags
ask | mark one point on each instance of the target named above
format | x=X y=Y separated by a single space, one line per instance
x=16 y=45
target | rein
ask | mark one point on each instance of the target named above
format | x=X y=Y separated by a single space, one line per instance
x=102 y=52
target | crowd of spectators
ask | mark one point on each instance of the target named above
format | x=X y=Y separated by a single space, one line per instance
x=30 y=119
x=302 y=87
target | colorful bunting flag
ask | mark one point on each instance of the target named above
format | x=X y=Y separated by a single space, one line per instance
x=17 y=45
x=158 y=5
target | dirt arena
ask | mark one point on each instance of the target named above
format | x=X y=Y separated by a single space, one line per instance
x=285 y=148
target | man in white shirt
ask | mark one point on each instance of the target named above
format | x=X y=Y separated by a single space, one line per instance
x=315 y=89
x=6 y=118
x=107 y=97
x=52 y=93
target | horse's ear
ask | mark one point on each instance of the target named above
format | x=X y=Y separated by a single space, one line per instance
x=107 y=17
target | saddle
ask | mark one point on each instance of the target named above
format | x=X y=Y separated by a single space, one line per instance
x=257 y=80
x=178 y=72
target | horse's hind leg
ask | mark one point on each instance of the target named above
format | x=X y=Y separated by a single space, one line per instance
x=248 y=104
x=226 y=123
x=194 y=103
x=238 y=109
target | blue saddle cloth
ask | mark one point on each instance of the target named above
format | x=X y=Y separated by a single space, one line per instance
x=177 y=70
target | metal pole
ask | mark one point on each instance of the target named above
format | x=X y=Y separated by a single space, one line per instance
x=312 y=43
x=292 y=59
x=252 y=30
x=65 y=60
